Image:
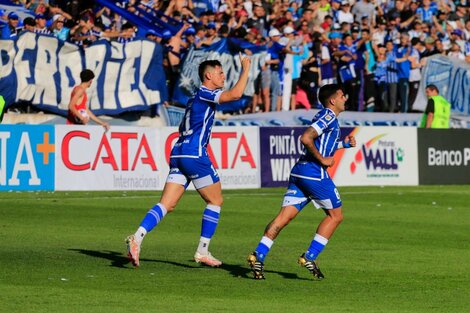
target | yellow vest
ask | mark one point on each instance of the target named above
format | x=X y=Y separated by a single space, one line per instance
x=441 y=113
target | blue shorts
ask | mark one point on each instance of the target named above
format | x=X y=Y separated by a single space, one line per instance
x=322 y=193
x=198 y=170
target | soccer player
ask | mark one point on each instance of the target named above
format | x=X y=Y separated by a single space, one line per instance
x=189 y=161
x=310 y=182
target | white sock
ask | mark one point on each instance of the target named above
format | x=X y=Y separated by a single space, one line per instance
x=203 y=247
x=140 y=234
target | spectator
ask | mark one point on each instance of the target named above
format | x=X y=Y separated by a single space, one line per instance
x=402 y=52
x=364 y=8
x=457 y=36
x=368 y=71
x=380 y=79
x=455 y=52
x=200 y=36
x=127 y=33
x=417 y=31
x=29 y=24
x=275 y=51
x=392 y=77
x=347 y=71
x=11 y=30
x=41 y=25
x=311 y=78
x=58 y=29
x=379 y=33
x=429 y=48
x=298 y=53
x=426 y=11
x=327 y=73
x=415 y=72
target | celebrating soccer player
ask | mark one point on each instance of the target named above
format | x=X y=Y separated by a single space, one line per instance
x=189 y=160
x=309 y=181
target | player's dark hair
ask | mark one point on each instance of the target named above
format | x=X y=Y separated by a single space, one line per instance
x=86 y=75
x=205 y=65
x=326 y=92
x=432 y=87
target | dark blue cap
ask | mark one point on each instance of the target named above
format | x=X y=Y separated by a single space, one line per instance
x=190 y=31
x=166 y=34
x=335 y=35
x=13 y=16
x=151 y=32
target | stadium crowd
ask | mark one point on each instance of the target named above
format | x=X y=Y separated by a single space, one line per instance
x=374 y=48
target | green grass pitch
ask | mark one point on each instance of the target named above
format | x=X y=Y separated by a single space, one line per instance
x=399 y=249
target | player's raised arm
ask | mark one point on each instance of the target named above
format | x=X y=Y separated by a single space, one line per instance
x=237 y=91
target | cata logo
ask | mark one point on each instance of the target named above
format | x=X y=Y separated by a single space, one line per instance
x=378 y=154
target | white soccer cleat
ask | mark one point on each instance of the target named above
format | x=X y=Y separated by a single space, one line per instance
x=133 y=250
x=207 y=259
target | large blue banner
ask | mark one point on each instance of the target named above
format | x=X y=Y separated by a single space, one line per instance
x=43 y=70
x=226 y=51
x=452 y=77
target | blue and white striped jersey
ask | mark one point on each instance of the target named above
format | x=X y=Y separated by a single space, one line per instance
x=326 y=125
x=195 y=128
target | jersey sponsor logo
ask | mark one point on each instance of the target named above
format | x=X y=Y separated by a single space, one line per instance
x=114 y=150
x=27 y=156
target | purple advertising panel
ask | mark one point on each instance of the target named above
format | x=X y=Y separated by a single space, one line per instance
x=280 y=147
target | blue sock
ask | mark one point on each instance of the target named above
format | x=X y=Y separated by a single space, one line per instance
x=153 y=217
x=319 y=242
x=210 y=219
x=263 y=248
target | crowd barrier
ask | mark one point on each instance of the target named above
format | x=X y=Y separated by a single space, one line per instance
x=62 y=157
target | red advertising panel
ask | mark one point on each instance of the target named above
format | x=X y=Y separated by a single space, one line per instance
x=234 y=152
x=124 y=158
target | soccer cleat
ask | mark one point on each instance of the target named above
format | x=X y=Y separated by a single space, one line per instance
x=207 y=259
x=311 y=266
x=133 y=250
x=257 y=267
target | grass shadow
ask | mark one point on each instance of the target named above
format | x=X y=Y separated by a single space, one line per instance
x=120 y=261
x=244 y=272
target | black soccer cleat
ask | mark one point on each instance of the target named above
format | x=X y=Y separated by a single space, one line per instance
x=311 y=266
x=257 y=267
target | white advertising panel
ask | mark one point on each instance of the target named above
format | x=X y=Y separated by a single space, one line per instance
x=234 y=152
x=383 y=156
x=124 y=158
